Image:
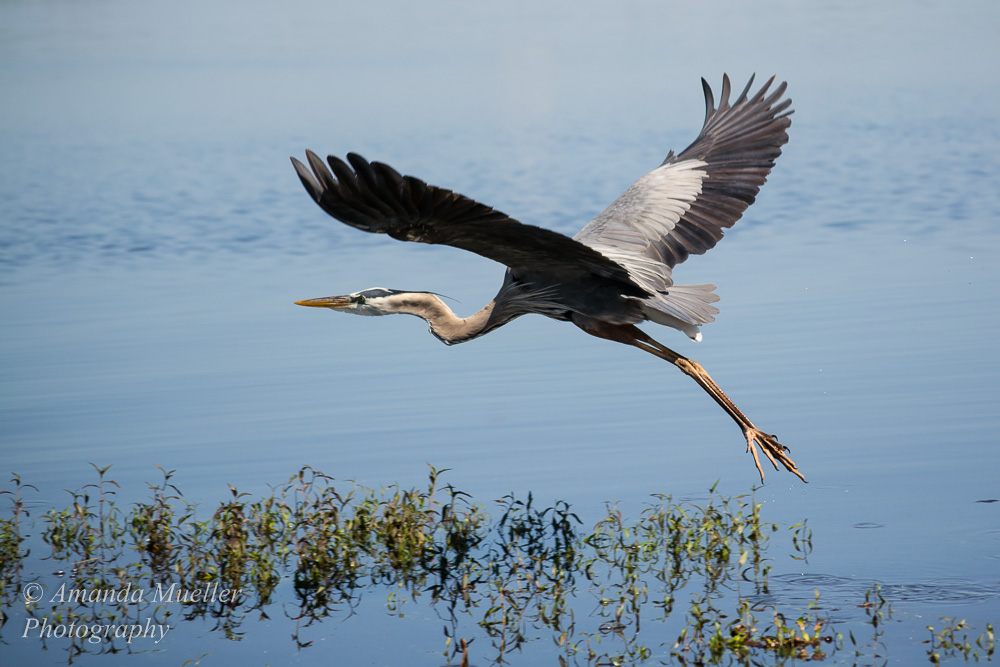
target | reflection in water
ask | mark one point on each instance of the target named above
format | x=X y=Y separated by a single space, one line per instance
x=689 y=581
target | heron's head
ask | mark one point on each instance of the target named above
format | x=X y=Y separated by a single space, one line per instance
x=372 y=301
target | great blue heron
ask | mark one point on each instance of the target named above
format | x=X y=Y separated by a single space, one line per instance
x=614 y=274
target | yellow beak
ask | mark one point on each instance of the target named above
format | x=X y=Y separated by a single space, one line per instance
x=326 y=302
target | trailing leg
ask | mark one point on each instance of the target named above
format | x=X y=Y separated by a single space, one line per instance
x=632 y=335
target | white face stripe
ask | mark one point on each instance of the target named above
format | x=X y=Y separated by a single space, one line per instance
x=376 y=301
x=374 y=292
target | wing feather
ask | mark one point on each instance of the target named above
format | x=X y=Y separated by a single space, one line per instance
x=683 y=207
x=374 y=197
x=680 y=208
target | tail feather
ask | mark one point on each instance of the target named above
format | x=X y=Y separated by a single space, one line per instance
x=683 y=307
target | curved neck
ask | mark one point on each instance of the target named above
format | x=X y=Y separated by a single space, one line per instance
x=448 y=327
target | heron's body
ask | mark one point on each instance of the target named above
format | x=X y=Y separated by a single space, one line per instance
x=615 y=273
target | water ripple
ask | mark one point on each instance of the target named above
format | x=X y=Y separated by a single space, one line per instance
x=802 y=587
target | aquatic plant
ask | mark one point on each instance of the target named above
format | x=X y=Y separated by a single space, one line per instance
x=506 y=576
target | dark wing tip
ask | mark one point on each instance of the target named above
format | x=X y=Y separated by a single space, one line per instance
x=739 y=143
x=724 y=95
x=357 y=161
x=310 y=184
x=709 y=102
x=364 y=171
x=746 y=90
x=387 y=173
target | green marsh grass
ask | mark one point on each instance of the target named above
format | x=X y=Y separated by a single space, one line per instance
x=499 y=577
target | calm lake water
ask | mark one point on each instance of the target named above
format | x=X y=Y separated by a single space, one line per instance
x=154 y=238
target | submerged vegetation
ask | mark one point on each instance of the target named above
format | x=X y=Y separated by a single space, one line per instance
x=682 y=583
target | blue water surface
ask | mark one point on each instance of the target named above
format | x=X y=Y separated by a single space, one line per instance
x=153 y=239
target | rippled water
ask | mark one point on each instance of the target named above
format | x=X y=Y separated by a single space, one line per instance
x=154 y=238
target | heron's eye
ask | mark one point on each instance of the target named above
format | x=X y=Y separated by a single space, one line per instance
x=358 y=299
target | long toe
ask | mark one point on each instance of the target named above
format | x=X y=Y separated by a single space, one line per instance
x=773 y=450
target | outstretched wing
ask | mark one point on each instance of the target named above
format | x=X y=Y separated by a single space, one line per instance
x=682 y=207
x=376 y=198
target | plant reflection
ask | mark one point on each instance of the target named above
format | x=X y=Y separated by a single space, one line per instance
x=519 y=578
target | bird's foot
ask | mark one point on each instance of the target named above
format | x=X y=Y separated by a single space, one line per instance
x=773 y=450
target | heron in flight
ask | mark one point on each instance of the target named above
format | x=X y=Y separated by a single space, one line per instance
x=614 y=274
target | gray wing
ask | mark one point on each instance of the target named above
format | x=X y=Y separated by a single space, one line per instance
x=375 y=198
x=682 y=207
